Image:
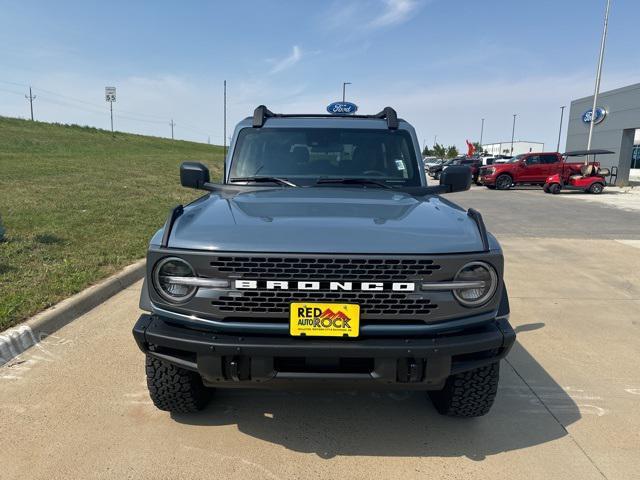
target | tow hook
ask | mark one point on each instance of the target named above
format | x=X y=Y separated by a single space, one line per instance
x=410 y=370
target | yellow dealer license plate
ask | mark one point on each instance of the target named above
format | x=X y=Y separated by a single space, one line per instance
x=324 y=319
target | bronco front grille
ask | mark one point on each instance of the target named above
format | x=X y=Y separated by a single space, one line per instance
x=371 y=303
x=323 y=268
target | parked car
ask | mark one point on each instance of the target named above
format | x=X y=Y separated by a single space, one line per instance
x=528 y=168
x=432 y=162
x=436 y=170
x=324 y=259
x=473 y=163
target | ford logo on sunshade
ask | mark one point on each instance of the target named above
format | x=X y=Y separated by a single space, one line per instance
x=600 y=114
x=342 y=108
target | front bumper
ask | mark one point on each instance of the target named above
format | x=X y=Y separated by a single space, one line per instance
x=281 y=361
x=487 y=179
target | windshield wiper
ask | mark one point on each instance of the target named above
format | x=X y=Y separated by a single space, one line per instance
x=280 y=181
x=353 y=181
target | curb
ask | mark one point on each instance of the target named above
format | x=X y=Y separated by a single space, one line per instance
x=25 y=335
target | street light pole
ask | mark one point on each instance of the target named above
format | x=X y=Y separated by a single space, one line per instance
x=598 y=77
x=344 y=86
x=560 y=129
x=513 y=131
x=481 y=132
x=224 y=128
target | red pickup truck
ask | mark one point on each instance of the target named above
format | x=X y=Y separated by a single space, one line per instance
x=530 y=168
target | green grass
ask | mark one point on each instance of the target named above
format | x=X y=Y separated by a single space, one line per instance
x=78 y=204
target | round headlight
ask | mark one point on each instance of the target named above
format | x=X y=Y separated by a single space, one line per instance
x=166 y=277
x=482 y=280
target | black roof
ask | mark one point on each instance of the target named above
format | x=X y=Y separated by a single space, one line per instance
x=582 y=153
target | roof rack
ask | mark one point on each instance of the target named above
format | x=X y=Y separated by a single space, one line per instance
x=261 y=113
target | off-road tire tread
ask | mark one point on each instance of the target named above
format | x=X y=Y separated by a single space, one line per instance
x=468 y=394
x=174 y=389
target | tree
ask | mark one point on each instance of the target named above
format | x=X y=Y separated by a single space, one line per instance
x=439 y=151
x=426 y=152
x=452 y=151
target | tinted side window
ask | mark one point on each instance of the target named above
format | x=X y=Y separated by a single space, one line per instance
x=549 y=159
x=533 y=160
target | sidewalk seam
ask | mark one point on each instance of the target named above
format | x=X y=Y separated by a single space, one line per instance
x=556 y=419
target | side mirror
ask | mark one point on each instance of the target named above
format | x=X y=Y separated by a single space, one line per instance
x=193 y=174
x=457 y=178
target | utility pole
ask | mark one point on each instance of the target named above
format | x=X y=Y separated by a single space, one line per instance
x=224 y=128
x=513 y=131
x=31 y=98
x=344 y=86
x=560 y=129
x=435 y=137
x=598 y=77
x=172 y=123
x=481 y=132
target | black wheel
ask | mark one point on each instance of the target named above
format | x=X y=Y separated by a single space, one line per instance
x=545 y=187
x=175 y=389
x=504 y=182
x=436 y=175
x=555 y=188
x=596 y=188
x=468 y=394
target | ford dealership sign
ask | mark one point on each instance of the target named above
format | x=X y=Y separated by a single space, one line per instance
x=342 y=108
x=600 y=114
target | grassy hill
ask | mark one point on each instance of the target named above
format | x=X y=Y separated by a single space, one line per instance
x=78 y=204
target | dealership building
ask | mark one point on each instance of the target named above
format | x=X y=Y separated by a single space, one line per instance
x=617 y=128
x=519 y=146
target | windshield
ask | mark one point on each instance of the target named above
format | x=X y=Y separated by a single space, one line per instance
x=308 y=154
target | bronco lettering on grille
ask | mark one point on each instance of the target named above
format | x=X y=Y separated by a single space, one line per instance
x=331 y=286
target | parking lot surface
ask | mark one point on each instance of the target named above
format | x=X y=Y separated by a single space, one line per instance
x=76 y=405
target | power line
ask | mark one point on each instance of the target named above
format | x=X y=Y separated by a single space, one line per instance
x=94 y=108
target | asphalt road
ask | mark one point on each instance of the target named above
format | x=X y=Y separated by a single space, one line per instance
x=529 y=212
x=76 y=406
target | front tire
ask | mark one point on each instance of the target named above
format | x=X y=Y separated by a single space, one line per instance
x=468 y=394
x=175 y=389
x=555 y=188
x=504 y=182
x=596 y=188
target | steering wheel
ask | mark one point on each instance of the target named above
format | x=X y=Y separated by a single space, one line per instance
x=373 y=172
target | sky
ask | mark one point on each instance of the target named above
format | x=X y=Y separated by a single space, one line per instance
x=442 y=64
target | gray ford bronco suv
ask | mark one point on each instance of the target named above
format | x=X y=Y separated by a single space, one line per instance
x=324 y=258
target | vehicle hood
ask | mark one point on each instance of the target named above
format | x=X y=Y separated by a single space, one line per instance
x=324 y=220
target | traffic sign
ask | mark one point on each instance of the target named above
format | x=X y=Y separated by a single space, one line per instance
x=110 y=94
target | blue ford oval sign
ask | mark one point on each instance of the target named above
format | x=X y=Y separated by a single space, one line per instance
x=342 y=108
x=600 y=114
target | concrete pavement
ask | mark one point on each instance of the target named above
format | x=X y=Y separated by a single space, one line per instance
x=76 y=405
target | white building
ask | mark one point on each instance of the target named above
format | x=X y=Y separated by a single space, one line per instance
x=504 y=148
